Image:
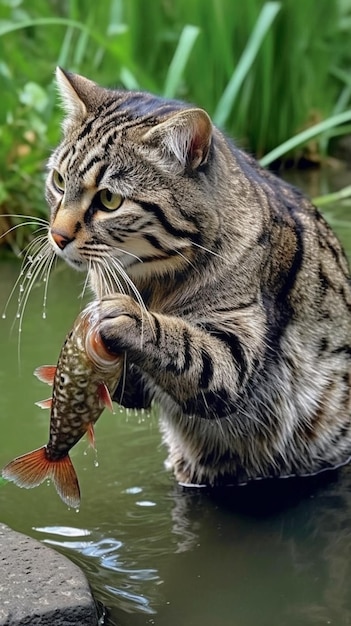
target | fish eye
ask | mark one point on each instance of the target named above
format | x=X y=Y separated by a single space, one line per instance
x=109 y=200
x=59 y=181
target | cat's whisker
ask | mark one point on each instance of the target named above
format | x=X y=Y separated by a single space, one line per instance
x=33 y=223
x=105 y=282
x=101 y=285
x=108 y=281
x=134 y=256
x=26 y=264
x=48 y=268
x=32 y=248
x=112 y=275
x=145 y=313
x=196 y=269
x=113 y=279
x=86 y=282
x=7 y=303
x=38 y=220
x=104 y=248
x=123 y=378
x=220 y=256
x=41 y=265
x=120 y=269
x=34 y=268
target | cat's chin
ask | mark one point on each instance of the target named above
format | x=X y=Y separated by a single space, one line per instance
x=80 y=266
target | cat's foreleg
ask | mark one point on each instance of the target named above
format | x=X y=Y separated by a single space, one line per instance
x=201 y=372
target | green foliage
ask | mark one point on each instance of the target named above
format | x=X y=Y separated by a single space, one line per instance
x=264 y=70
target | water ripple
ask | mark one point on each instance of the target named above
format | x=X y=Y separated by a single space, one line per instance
x=102 y=555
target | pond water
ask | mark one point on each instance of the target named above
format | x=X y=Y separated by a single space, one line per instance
x=155 y=553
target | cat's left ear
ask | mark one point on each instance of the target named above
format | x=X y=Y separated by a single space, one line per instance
x=186 y=135
x=77 y=92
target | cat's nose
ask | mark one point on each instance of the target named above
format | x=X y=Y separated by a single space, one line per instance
x=60 y=238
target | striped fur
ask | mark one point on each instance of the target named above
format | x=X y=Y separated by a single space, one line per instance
x=225 y=287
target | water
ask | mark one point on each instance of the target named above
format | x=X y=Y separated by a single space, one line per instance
x=156 y=553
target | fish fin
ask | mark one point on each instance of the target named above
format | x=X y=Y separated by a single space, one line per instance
x=91 y=435
x=30 y=470
x=44 y=404
x=46 y=373
x=105 y=397
x=66 y=482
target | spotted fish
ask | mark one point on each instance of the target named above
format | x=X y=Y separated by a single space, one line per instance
x=84 y=380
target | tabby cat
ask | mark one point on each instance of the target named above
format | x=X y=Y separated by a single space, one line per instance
x=225 y=288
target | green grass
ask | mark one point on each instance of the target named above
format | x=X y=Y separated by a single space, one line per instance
x=265 y=71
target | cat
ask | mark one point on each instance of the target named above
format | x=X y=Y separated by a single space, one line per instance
x=224 y=287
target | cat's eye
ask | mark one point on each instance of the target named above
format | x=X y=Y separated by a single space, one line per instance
x=110 y=201
x=58 y=180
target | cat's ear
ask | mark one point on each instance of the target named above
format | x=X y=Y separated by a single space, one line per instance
x=76 y=92
x=186 y=135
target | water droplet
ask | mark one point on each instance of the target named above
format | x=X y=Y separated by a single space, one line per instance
x=44 y=279
x=96 y=463
x=21 y=288
x=77 y=509
x=44 y=315
x=48 y=483
x=4 y=316
x=18 y=315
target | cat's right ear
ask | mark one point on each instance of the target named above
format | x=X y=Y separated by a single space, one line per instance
x=76 y=92
x=186 y=135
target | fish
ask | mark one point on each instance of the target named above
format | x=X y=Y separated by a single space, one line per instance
x=84 y=381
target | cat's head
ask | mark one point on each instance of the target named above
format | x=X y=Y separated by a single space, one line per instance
x=127 y=185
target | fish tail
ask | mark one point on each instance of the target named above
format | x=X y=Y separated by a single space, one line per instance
x=66 y=482
x=31 y=469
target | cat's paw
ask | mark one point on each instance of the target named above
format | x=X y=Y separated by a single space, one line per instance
x=123 y=323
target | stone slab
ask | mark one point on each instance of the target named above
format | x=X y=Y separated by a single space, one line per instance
x=39 y=586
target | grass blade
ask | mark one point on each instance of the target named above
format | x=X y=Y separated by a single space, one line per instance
x=10 y=27
x=175 y=71
x=334 y=197
x=304 y=136
x=264 y=21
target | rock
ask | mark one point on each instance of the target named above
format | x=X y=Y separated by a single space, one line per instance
x=40 y=587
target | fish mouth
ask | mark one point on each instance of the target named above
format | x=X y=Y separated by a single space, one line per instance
x=95 y=348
